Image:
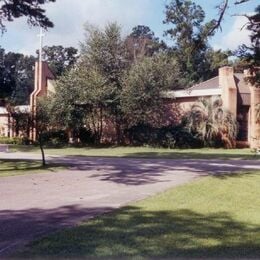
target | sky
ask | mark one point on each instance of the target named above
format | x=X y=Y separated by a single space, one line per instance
x=69 y=17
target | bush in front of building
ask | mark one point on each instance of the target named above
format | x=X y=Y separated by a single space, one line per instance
x=14 y=140
x=173 y=136
x=55 y=138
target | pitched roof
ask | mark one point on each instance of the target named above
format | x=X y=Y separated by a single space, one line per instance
x=207 y=88
x=208 y=84
x=211 y=87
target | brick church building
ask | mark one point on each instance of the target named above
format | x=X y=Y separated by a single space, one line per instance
x=237 y=96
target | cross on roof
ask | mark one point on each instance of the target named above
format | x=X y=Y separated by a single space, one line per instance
x=41 y=35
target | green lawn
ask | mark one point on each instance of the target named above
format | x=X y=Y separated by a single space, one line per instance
x=211 y=217
x=11 y=167
x=149 y=152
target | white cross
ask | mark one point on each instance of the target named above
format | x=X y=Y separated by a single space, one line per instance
x=41 y=35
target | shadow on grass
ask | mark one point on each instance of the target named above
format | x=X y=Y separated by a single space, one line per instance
x=25 y=165
x=132 y=231
x=23 y=148
x=175 y=154
x=136 y=152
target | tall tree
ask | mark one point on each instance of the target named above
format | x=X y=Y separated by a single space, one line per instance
x=250 y=54
x=190 y=36
x=43 y=123
x=59 y=58
x=32 y=9
x=142 y=42
x=81 y=100
x=222 y=7
x=16 y=77
x=145 y=83
x=24 y=80
x=105 y=50
x=214 y=59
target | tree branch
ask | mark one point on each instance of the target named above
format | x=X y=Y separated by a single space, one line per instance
x=222 y=10
x=241 y=2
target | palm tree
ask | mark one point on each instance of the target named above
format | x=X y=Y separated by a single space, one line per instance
x=211 y=123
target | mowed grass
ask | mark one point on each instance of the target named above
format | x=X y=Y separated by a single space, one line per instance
x=148 y=152
x=211 y=217
x=11 y=167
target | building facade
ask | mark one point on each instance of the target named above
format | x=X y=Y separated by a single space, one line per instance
x=238 y=97
x=43 y=84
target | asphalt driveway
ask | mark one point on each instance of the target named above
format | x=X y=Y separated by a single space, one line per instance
x=34 y=205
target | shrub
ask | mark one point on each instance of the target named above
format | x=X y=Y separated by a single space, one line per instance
x=55 y=138
x=142 y=134
x=86 y=136
x=214 y=126
x=14 y=140
x=176 y=136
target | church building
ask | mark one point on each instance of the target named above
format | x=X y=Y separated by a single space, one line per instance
x=238 y=97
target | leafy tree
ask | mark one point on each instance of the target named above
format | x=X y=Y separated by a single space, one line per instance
x=81 y=99
x=145 y=83
x=250 y=55
x=105 y=51
x=91 y=90
x=32 y=9
x=142 y=42
x=64 y=113
x=42 y=120
x=24 y=80
x=211 y=123
x=59 y=58
x=16 y=77
x=190 y=35
x=22 y=122
x=215 y=59
x=7 y=72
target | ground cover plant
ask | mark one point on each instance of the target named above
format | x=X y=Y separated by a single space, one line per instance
x=211 y=217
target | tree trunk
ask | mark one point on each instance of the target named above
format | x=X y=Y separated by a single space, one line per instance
x=42 y=151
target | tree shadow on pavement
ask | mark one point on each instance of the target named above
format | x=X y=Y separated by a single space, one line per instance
x=132 y=171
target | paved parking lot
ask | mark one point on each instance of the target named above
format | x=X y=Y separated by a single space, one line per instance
x=34 y=205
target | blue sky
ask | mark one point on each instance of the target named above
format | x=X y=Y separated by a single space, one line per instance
x=69 y=17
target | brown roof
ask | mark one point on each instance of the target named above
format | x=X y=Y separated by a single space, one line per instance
x=214 y=83
x=244 y=95
x=208 y=84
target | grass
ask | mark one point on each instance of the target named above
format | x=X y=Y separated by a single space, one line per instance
x=211 y=217
x=11 y=167
x=149 y=152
